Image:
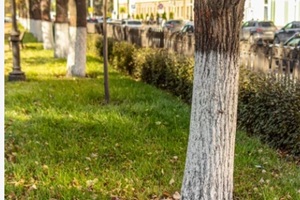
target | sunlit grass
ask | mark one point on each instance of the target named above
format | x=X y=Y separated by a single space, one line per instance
x=63 y=142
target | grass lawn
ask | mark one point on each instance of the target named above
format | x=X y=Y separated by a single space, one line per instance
x=63 y=142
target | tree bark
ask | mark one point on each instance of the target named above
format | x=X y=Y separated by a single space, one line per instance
x=61 y=30
x=105 y=55
x=35 y=19
x=77 y=44
x=47 y=28
x=210 y=155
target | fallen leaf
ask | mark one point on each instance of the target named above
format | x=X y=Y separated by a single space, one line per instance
x=171 y=182
x=158 y=123
x=261 y=180
x=33 y=187
x=176 y=196
x=88 y=158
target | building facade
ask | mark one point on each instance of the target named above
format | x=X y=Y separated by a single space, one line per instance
x=279 y=11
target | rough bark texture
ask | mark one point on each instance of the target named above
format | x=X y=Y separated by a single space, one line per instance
x=35 y=19
x=61 y=36
x=77 y=52
x=35 y=9
x=61 y=11
x=210 y=156
x=45 y=10
x=77 y=13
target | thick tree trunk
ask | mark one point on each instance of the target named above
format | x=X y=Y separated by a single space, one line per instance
x=77 y=44
x=35 y=19
x=210 y=155
x=61 y=30
x=47 y=28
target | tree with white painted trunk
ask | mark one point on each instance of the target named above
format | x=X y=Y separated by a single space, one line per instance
x=77 y=39
x=61 y=27
x=35 y=19
x=209 y=164
x=47 y=30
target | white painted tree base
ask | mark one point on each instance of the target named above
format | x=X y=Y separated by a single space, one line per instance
x=47 y=30
x=25 y=22
x=210 y=156
x=77 y=52
x=61 y=40
x=36 y=29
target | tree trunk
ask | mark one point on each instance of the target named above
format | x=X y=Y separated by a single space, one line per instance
x=47 y=29
x=105 y=56
x=61 y=30
x=77 y=46
x=35 y=19
x=210 y=155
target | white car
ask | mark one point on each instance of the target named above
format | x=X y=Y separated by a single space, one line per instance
x=131 y=23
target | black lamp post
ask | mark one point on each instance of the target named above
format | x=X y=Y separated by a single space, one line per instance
x=16 y=74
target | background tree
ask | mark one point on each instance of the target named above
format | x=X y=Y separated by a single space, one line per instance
x=61 y=24
x=208 y=171
x=171 y=15
x=47 y=30
x=77 y=35
x=35 y=19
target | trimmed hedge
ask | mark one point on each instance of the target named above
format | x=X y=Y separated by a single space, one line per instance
x=270 y=109
x=267 y=107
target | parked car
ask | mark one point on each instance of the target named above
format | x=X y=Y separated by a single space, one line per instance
x=286 y=32
x=292 y=48
x=173 y=25
x=131 y=23
x=91 y=20
x=100 y=19
x=188 y=28
x=255 y=31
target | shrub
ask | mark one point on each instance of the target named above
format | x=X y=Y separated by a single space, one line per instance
x=92 y=42
x=99 y=47
x=270 y=109
x=267 y=107
x=171 y=15
x=168 y=71
x=123 y=56
x=164 y=16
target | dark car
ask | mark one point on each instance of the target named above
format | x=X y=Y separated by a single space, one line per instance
x=292 y=48
x=286 y=32
x=173 y=25
x=91 y=20
x=188 y=28
x=255 y=31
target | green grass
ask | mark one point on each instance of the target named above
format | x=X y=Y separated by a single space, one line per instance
x=63 y=142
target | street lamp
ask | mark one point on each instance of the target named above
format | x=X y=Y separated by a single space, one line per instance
x=16 y=74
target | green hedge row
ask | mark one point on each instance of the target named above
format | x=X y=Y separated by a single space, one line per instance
x=168 y=71
x=266 y=108
x=270 y=109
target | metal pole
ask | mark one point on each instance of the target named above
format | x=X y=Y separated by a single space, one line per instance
x=16 y=74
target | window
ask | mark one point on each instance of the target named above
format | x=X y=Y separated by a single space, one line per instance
x=266 y=24
x=294 y=42
x=296 y=25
